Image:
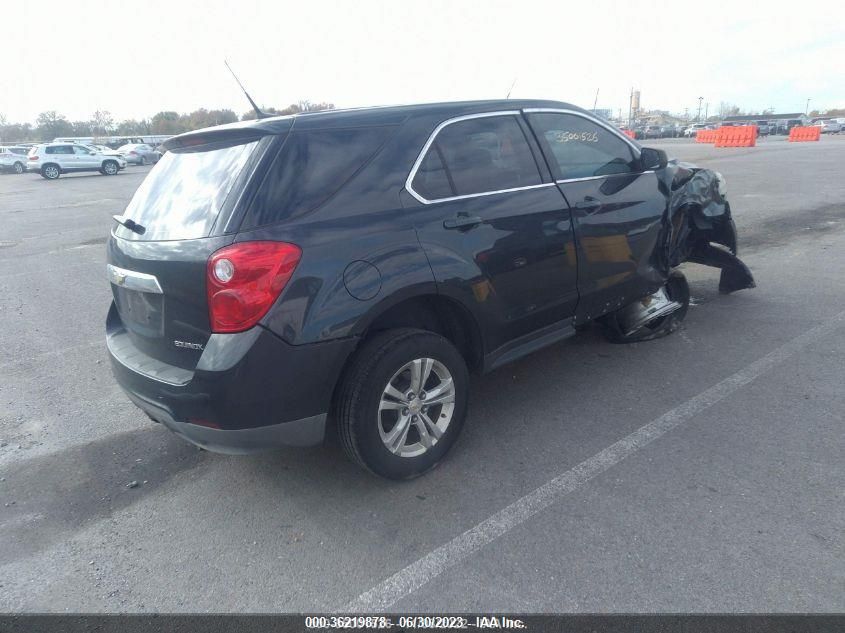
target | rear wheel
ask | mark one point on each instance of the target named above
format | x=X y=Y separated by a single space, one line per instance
x=109 y=168
x=50 y=172
x=402 y=402
x=19 y=168
x=144 y=161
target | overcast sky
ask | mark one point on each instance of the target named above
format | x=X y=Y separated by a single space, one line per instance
x=137 y=58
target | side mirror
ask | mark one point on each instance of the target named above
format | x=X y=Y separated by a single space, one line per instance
x=651 y=158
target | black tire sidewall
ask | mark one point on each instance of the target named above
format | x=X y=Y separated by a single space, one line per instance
x=368 y=394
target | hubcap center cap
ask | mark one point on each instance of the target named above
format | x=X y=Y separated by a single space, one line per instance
x=415 y=406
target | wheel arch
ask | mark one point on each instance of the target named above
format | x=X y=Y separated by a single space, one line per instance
x=433 y=312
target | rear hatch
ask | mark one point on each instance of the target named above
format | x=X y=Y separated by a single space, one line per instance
x=185 y=209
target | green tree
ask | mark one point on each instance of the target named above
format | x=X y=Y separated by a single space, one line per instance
x=15 y=132
x=82 y=128
x=294 y=108
x=167 y=123
x=102 y=122
x=50 y=124
x=131 y=127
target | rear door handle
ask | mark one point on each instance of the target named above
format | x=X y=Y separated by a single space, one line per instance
x=462 y=222
x=588 y=204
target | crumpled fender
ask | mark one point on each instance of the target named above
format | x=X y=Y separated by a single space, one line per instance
x=698 y=217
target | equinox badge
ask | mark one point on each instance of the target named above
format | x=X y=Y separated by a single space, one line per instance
x=187 y=345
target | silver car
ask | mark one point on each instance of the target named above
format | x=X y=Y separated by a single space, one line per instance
x=829 y=126
x=13 y=159
x=139 y=154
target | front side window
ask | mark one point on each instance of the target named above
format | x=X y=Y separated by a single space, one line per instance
x=81 y=150
x=581 y=148
x=476 y=156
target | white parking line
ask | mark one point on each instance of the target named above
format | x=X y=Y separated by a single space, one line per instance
x=418 y=573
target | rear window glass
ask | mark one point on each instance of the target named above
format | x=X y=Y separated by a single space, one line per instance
x=182 y=196
x=310 y=168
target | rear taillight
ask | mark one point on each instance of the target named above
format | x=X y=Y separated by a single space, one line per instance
x=133 y=153
x=34 y=157
x=243 y=280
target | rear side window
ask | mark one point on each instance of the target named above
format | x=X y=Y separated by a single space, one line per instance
x=310 y=168
x=582 y=148
x=182 y=196
x=476 y=156
x=60 y=149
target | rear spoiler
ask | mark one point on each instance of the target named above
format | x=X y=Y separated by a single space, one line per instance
x=240 y=132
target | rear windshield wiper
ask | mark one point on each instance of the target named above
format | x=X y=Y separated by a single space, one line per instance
x=129 y=224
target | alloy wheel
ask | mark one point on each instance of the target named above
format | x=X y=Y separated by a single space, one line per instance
x=416 y=407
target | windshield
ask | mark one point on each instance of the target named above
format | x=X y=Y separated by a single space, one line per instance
x=184 y=193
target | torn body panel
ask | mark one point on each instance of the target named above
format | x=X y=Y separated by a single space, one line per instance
x=698 y=223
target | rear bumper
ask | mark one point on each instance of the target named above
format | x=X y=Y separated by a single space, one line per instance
x=249 y=392
x=303 y=432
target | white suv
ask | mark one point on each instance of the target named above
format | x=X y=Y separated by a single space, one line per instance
x=52 y=160
x=11 y=159
x=694 y=129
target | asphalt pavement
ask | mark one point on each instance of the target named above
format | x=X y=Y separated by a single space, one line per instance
x=701 y=472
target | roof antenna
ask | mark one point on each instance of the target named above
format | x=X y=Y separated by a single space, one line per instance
x=511 y=89
x=258 y=113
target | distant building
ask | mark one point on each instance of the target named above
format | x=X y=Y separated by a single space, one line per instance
x=751 y=118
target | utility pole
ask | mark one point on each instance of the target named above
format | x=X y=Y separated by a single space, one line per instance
x=630 y=103
x=807 y=107
x=698 y=118
x=595 y=101
x=706 y=108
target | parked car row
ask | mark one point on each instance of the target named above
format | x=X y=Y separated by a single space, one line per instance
x=764 y=128
x=51 y=160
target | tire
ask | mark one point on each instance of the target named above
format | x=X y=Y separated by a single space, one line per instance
x=19 y=168
x=677 y=289
x=144 y=162
x=51 y=171
x=383 y=367
x=110 y=168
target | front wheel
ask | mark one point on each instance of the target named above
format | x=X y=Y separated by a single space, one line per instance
x=651 y=317
x=109 y=168
x=144 y=161
x=19 y=168
x=402 y=402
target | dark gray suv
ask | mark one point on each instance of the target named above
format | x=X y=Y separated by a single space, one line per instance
x=353 y=268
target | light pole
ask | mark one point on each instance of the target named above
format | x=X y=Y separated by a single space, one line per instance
x=807 y=107
x=698 y=118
